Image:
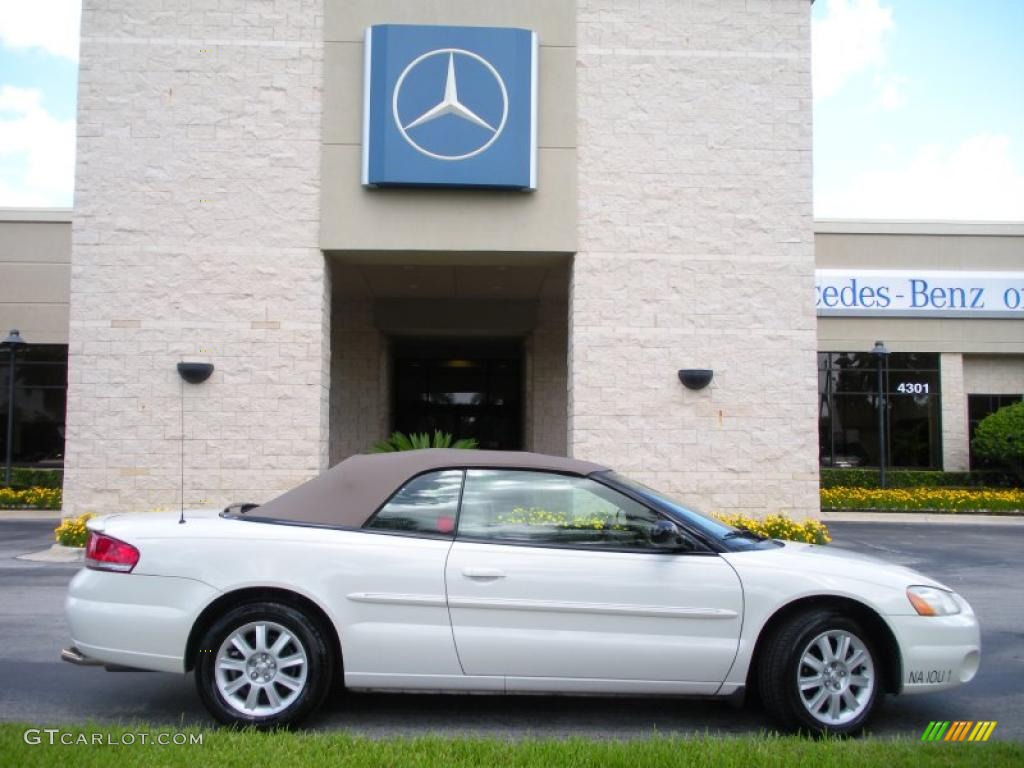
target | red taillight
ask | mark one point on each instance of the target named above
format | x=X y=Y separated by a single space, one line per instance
x=105 y=553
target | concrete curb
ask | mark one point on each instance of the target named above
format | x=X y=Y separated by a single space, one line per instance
x=58 y=553
x=30 y=514
x=948 y=518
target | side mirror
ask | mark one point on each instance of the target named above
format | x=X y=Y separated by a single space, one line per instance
x=667 y=534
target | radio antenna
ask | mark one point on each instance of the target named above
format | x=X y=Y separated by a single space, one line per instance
x=181 y=389
x=193 y=373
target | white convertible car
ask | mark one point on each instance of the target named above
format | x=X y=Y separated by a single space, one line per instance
x=453 y=570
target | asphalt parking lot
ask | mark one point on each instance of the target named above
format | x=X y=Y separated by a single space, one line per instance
x=982 y=562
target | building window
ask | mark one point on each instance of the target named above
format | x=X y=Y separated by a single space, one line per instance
x=848 y=412
x=978 y=407
x=40 y=399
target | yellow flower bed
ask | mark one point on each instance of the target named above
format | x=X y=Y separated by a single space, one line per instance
x=773 y=526
x=538 y=516
x=72 y=531
x=30 y=498
x=941 y=499
x=781 y=527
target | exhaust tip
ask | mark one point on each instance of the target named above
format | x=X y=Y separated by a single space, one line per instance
x=74 y=656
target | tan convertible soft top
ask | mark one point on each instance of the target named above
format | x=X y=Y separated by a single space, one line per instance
x=348 y=493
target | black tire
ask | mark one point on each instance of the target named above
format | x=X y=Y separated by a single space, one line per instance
x=781 y=665
x=306 y=637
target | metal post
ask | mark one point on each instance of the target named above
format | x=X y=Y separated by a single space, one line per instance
x=12 y=343
x=10 y=423
x=881 y=426
x=881 y=354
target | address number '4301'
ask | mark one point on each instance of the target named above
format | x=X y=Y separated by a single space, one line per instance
x=912 y=388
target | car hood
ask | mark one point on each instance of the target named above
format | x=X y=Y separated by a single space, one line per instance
x=830 y=563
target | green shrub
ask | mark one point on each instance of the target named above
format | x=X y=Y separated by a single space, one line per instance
x=402 y=442
x=914 y=478
x=25 y=477
x=999 y=438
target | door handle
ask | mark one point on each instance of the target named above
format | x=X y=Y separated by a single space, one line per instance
x=483 y=573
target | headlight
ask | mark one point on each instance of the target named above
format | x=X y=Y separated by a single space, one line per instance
x=931 y=601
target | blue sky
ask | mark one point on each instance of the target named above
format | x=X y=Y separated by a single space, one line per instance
x=918 y=107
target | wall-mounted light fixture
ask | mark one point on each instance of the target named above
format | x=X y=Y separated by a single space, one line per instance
x=695 y=378
x=195 y=373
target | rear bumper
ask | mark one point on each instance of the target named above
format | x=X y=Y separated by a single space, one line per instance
x=131 y=620
x=74 y=655
x=939 y=652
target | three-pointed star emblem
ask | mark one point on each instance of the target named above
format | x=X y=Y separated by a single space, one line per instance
x=450 y=104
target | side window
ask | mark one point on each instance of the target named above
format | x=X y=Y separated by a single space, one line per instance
x=547 y=509
x=427 y=504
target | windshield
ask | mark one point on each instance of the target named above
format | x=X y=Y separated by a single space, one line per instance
x=734 y=538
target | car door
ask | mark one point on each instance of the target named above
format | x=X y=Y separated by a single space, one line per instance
x=553 y=582
x=389 y=589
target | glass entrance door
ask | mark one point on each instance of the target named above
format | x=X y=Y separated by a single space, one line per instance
x=468 y=389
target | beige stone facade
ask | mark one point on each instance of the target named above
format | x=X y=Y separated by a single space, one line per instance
x=955 y=452
x=195 y=236
x=696 y=250
x=219 y=217
x=214 y=204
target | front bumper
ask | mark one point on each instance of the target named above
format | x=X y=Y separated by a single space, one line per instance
x=132 y=620
x=939 y=652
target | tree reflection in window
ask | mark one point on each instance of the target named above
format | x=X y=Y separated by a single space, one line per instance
x=427 y=504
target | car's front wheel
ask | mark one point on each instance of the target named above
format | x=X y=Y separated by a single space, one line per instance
x=264 y=664
x=820 y=672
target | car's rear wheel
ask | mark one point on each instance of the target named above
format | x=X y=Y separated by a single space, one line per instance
x=264 y=664
x=820 y=673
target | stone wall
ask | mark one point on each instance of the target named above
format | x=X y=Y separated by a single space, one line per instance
x=195 y=236
x=546 y=383
x=696 y=250
x=993 y=374
x=359 y=376
x=955 y=448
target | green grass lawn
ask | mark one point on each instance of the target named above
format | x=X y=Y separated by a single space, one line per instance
x=251 y=749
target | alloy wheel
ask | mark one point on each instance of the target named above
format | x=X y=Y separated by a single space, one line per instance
x=836 y=677
x=261 y=668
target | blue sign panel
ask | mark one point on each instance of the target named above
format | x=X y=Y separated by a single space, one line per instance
x=450 y=107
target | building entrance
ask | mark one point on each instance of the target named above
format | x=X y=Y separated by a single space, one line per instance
x=469 y=388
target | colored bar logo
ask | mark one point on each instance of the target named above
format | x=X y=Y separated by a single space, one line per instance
x=958 y=730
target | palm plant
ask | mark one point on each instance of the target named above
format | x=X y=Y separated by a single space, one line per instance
x=399 y=441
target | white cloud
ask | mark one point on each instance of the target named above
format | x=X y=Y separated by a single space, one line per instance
x=890 y=92
x=31 y=135
x=52 y=25
x=978 y=180
x=848 y=40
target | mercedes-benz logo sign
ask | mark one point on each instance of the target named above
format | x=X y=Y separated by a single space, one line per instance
x=449 y=102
